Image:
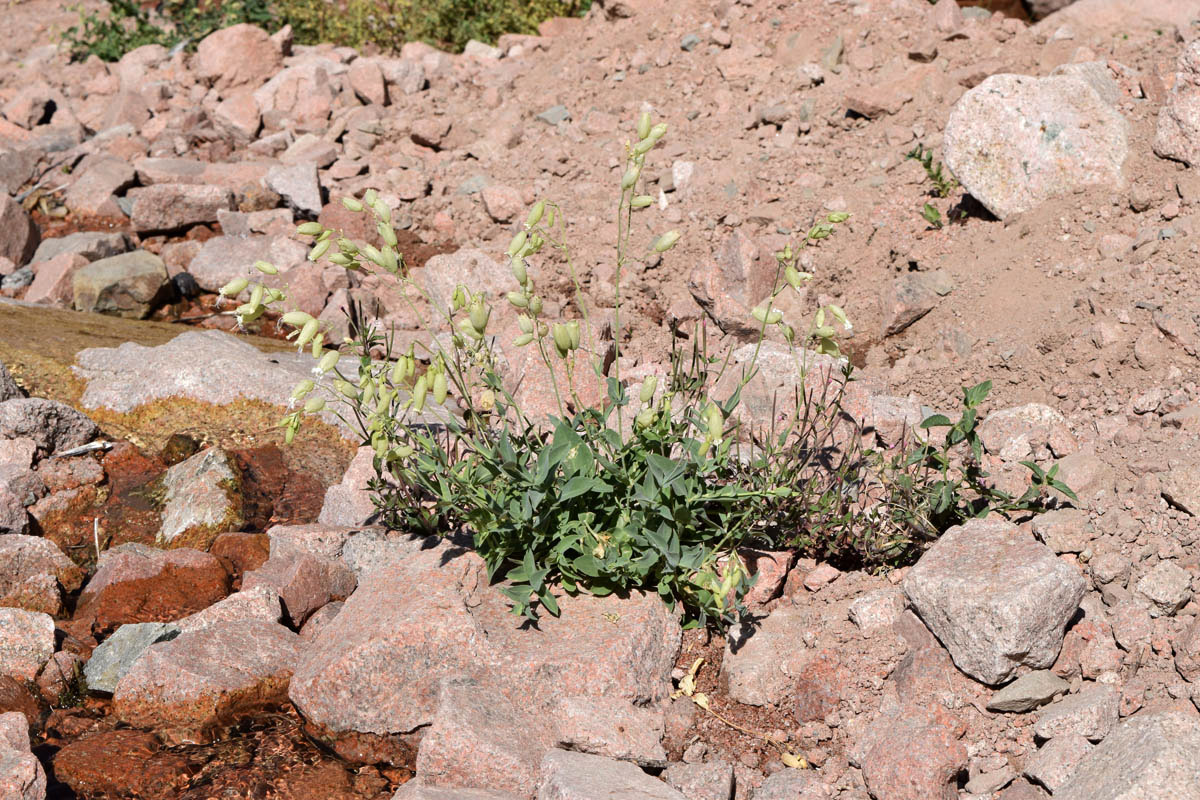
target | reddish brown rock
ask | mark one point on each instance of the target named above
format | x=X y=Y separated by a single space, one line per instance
x=241 y=552
x=26 y=642
x=60 y=676
x=305 y=582
x=21 y=774
x=171 y=206
x=910 y=756
x=121 y=763
x=18 y=233
x=52 y=426
x=241 y=55
x=137 y=583
x=52 y=281
x=15 y=696
x=189 y=687
x=31 y=570
x=820 y=685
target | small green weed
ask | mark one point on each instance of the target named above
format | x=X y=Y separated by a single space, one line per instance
x=930 y=214
x=944 y=184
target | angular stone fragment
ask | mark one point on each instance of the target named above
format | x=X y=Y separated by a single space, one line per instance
x=579 y=776
x=31 y=569
x=760 y=669
x=1151 y=755
x=203 y=500
x=129 y=285
x=26 y=642
x=188 y=687
x=21 y=774
x=793 y=784
x=241 y=55
x=995 y=597
x=1034 y=429
x=51 y=425
x=350 y=502
x=91 y=245
x=260 y=603
x=1056 y=761
x=1168 y=588
x=18 y=232
x=1027 y=692
x=171 y=206
x=299 y=185
x=1015 y=141
x=1091 y=713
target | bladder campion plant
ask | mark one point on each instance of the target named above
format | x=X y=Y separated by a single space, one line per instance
x=606 y=497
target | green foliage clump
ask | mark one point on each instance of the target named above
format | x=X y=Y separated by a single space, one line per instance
x=128 y=25
x=447 y=24
x=654 y=486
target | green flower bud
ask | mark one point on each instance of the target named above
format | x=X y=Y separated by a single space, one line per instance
x=419 y=392
x=341 y=260
x=789 y=334
x=518 y=299
x=370 y=198
x=641 y=201
x=302 y=388
x=517 y=243
x=234 y=287
x=382 y=212
x=648 y=388
x=630 y=177
x=838 y=216
x=318 y=345
x=714 y=420
x=310 y=229
x=297 y=319
x=573 y=333
x=562 y=337
x=479 y=313
x=439 y=388
x=458 y=300
x=274 y=295
x=658 y=131
x=525 y=323
x=328 y=361
x=346 y=246
x=517 y=265
x=644 y=418
x=373 y=255
x=345 y=388
x=523 y=339
x=320 y=249
x=256 y=294
x=465 y=327
x=307 y=333
x=397 y=373
x=666 y=241
x=643 y=125
x=535 y=305
x=314 y=405
x=352 y=205
x=535 y=214
x=644 y=146
x=387 y=233
x=391 y=262
x=266 y=268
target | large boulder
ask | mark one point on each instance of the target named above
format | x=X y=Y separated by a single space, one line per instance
x=995 y=597
x=1151 y=755
x=1015 y=141
x=31 y=572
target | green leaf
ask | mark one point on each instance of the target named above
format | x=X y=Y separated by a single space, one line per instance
x=936 y=421
x=977 y=393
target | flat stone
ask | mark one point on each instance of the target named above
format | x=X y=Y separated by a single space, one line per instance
x=117 y=654
x=997 y=599
x=1150 y=755
x=259 y=603
x=761 y=669
x=417 y=790
x=350 y=501
x=579 y=776
x=203 y=500
x=910 y=756
x=792 y=784
x=1015 y=141
x=1181 y=487
x=709 y=781
x=129 y=285
x=1091 y=713
x=878 y=610
x=1029 y=691
x=188 y=687
x=555 y=115
x=26 y=642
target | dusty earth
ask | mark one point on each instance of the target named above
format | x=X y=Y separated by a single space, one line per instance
x=1086 y=302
